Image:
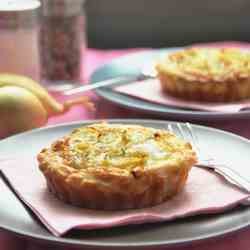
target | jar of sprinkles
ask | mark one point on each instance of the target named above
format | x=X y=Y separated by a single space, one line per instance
x=62 y=43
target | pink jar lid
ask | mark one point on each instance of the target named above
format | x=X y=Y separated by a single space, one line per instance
x=62 y=7
x=18 y=13
x=19 y=5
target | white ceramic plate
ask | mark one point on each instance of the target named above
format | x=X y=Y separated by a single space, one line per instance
x=17 y=218
x=133 y=64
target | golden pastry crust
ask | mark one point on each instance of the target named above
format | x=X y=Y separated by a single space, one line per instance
x=206 y=74
x=115 y=166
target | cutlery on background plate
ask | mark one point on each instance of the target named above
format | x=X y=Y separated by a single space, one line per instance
x=147 y=72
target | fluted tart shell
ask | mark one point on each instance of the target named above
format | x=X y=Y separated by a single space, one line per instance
x=116 y=166
x=206 y=74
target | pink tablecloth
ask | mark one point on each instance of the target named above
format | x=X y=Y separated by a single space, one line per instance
x=94 y=58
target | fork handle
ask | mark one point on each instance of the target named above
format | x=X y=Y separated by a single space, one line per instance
x=235 y=179
x=230 y=175
x=105 y=83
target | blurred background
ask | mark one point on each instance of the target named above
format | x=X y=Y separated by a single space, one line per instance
x=58 y=57
x=164 y=23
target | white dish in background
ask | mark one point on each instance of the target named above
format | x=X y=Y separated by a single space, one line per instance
x=133 y=64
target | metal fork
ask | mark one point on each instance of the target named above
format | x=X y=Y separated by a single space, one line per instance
x=186 y=132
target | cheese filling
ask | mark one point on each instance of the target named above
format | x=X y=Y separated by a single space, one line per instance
x=118 y=147
x=200 y=63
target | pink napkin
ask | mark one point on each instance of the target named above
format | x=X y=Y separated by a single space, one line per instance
x=204 y=193
x=150 y=90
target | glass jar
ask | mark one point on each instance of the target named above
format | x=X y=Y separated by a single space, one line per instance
x=62 y=43
x=19 y=38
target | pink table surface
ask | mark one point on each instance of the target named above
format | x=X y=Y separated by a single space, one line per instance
x=105 y=110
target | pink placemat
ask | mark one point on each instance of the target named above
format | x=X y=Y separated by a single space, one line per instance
x=204 y=193
x=93 y=58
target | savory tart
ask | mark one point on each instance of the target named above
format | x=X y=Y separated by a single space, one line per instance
x=206 y=74
x=116 y=166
